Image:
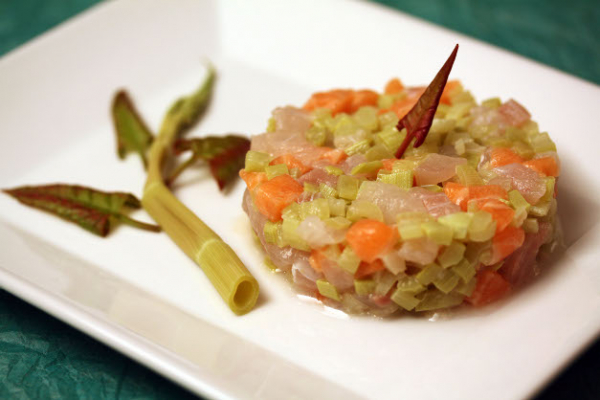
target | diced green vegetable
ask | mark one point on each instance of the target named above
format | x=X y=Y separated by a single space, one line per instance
x=442 y=110
x=405 y=300
x=364 y=287
x=530 y=225
x=402 y=179
x=482 y=227
x=391 y=138
x=332 y=170
x=347 y=187
x=363 y=209
x=318 y=207
x=459 y=223
x=270 y=231
x=492 y=103
x=338 y=222
x=477 y=250
x=271 y=125
x=327 y=289
x=310 y=187
x=385 y=283
x=388 y=120
x=409 y=224
x=337 y=207
x=466 y=288
x=410 y=231
x=433 y=188
x=410 y=285
x=387 y=100
x=358 y=147
x=463 y=124
x=322 y=117
x=256 y=161
x=523 y=149
x=439 y=233
x=446 y=281
x=317 y=135
x=270 y=264
x=366 y=117
x=367 y=167
x=349 y=260
x=435 y=300
x=288 y=230
x=541 y=208
x=429 y=273
x=517 y=200
x=276 y=170
x=378 y=152
x=541 y=143
x=291 y=212
x=459 y=110
x=327 y=191
x=452 y=254
x=464 y=270
x=468 y=176
x=403 y=165
x=332 y=252
x=442 y=125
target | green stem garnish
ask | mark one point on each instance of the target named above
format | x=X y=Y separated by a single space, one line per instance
x=221 y=265
x=91 y=209
x=419 y=119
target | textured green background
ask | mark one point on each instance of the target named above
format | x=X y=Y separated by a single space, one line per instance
x=40 y=357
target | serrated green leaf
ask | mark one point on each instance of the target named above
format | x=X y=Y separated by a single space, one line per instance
x=93 y=210
x=132 y=133
x=225 y=155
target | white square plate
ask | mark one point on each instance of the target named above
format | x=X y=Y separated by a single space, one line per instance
x=138 y=293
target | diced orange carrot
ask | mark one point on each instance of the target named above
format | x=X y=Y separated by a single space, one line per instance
x=273 y=196
x=450 y=87
x=506 y=241
x=253 y=179
x=316 y=259
x=546 y=166
x=394 y=86
x=402 y=107
x=503 y=156
x=365 y=269
x=491 y=286
x=487 y=192
x=334 y=156
x=291 y=162
x=363 y=98
x=337 y=100
x=501 y=213
x=457 y=193
x=461 y=195
x=369 y=238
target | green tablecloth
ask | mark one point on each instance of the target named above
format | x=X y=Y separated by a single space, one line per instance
x=40 y=357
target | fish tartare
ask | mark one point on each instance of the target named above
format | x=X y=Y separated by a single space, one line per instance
x=459 y=220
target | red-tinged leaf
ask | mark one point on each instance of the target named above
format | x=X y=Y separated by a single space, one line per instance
x=91 y=209
x=418 y=120
x=132 y=132
x=225 y=156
